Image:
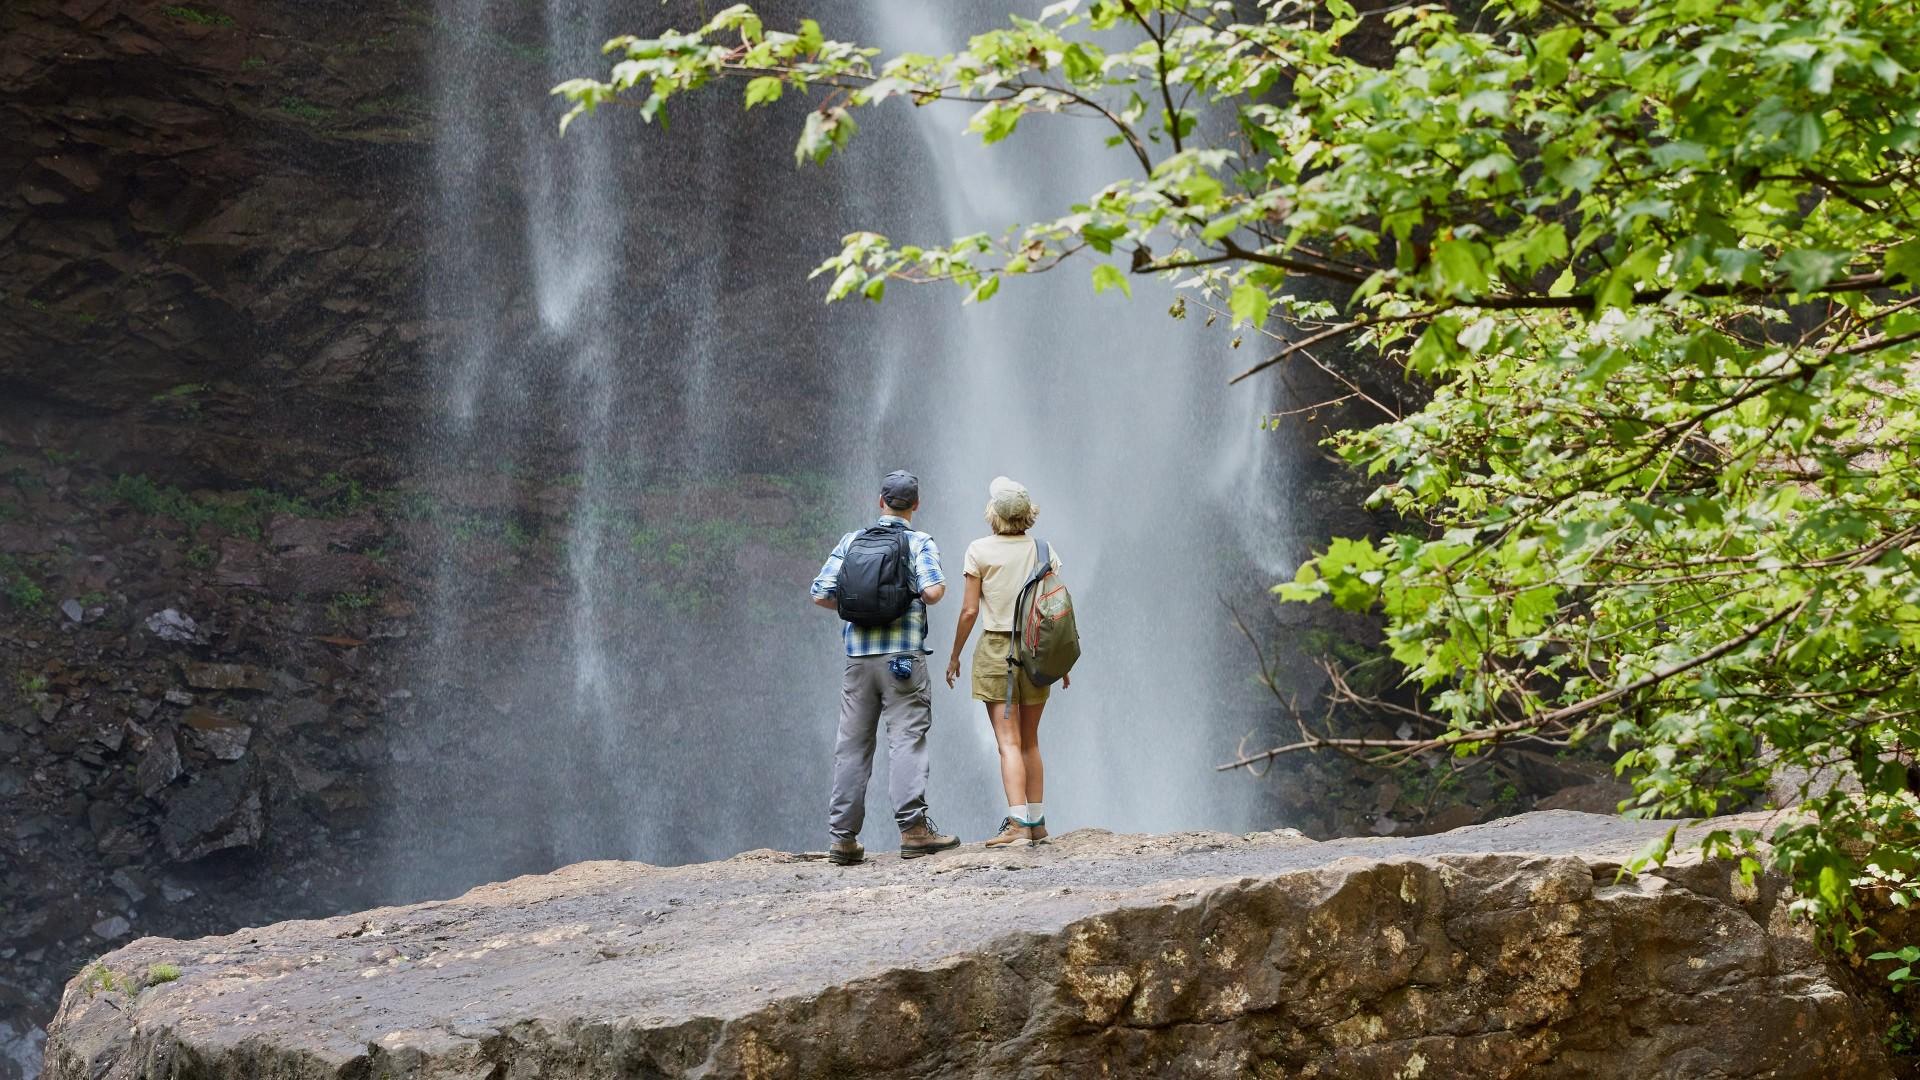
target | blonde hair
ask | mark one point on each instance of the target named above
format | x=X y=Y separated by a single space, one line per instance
x=1011 y=515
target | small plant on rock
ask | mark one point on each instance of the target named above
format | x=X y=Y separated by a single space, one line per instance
x=197 y=16
x=21 y=591
x=100 y=977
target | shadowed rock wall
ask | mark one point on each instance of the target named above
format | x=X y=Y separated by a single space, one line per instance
x=210 y=208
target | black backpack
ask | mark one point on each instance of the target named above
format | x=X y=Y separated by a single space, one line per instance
x=876 y=577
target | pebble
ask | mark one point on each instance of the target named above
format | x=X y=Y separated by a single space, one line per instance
x=127 y=884
x=172 y=625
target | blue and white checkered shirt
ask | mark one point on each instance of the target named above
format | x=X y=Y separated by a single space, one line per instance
x=908 y=633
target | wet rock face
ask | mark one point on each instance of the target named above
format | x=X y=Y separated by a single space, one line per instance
x=205 y=205
x=1505 y=950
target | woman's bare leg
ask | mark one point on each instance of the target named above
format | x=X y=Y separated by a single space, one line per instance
x=1006 y=736
x=1034 y=772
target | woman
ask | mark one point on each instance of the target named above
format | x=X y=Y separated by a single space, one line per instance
x=997 y=566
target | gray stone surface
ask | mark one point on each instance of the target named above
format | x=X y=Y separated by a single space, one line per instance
x=1504 y=950
x=220 y=810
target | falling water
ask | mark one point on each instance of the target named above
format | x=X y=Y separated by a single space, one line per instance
x=627 y=313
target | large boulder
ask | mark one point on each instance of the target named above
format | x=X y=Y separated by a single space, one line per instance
x=1507 y=950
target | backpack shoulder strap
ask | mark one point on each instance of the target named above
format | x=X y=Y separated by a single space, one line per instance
x=1043 y=556
x=1020 y=599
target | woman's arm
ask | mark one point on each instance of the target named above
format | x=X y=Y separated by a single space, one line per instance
x=969 y=614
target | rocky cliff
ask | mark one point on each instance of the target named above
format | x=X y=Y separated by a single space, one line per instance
x=211 y=234
x=1504 y=950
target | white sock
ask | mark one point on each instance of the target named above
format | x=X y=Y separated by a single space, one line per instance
x=1017 y=812
x=1036 y=814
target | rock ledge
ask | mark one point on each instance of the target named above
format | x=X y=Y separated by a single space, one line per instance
x=1501 y=950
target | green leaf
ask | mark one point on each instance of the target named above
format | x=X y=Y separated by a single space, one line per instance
x=1249 y=304
x=825 y=131
x=1487 y=168
x=1903 y=260
x=1080 y=64
x=995 y=121
x=1491 y=103
x=1477 y=334
x=1805 y=135
x=810 y=38
x=1655 y=852
x=1101 y=235
x=1108 y=276
x=1810 y=268
x=763 y=90
x=1200 y=189
x=1458 y=267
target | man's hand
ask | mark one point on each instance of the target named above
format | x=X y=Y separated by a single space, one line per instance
x=824 y=601
x=953 y=670
x=1066 y=682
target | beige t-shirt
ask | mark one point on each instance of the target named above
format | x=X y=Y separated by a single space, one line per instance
x=1002 y=563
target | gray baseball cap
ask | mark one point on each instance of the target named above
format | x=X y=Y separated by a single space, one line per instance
x=900 y=489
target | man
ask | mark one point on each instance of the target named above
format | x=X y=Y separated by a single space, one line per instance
x=887 y=679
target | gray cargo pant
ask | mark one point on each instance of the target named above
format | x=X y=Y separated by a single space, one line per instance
x=868 y=694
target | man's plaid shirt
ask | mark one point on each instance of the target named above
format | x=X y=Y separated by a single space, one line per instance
x=908 y=633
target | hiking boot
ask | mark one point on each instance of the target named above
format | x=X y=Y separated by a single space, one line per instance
x=924 y=839
x=846 y=853
x=1038 y=830
x=1011 y=832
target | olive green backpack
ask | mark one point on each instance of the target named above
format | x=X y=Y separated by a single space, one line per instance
x=1046 y=641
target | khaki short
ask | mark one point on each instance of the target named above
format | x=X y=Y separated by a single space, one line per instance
x=990 y=671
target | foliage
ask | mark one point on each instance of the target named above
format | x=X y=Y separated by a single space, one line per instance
x=241 y=513
x=687 y=559
x=99 y=977
x=303 y=110
x=22 y=592
x=1903 y=1036
x=1655 y=259
x=344 y=605
x=1908 y=957
x=198 y=16
x=182 y=399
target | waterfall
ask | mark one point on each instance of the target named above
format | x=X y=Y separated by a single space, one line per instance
x=631 y=351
